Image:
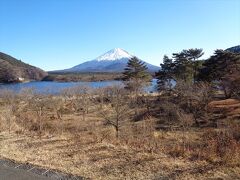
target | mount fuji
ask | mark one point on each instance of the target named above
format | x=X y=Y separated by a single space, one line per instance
x=114 y=60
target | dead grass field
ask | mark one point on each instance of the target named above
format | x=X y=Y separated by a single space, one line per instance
x=104 y=160
x=89 y=148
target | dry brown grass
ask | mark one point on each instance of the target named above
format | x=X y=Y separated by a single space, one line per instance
x=230 y=107
x=87 y=157
x=90 y=148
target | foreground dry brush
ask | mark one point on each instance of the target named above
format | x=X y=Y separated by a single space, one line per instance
x=96 y=133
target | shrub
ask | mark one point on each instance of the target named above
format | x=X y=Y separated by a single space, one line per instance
x=221 y=146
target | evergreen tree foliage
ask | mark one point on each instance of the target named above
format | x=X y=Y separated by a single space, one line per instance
x=135 y=74
x=187 y=64
x=136 y=69
x=165 y=74
x=222 y=68
x=136 y=77
x=183 y=66
x=220 y=65
x=194 y=54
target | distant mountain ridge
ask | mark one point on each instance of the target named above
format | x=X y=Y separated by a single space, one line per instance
x=114 y=60
x=13 y=70
x=234 y=49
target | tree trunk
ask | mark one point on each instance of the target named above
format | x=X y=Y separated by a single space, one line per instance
x=136 y=103
x=40 y=122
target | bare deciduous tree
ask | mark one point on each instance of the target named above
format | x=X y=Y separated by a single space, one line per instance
x=186 y=121
x=101 y=94
x=118 y=110
x=39 y=104
x=58 y=106
x=9 y=101
x=82 y=100
x=194 y=98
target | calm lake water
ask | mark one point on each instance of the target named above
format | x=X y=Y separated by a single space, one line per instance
x=57 y=87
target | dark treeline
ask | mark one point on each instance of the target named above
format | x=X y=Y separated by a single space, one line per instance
x=81 y=76
x=222 y=69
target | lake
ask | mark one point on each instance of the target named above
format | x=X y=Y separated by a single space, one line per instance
x=57 y=87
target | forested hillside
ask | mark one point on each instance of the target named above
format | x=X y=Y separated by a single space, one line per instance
x=13 y=70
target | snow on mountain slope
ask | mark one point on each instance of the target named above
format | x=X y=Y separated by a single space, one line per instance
x=114 y=54
x=114 y=60
x=235 y=49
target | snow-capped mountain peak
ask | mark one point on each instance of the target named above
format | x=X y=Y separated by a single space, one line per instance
x=114 y=60
x=114 y=54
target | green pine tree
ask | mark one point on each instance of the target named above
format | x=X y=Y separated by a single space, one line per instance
x=194 y=55
x=165 y=74
x=135 y=74
x=222 y=68
x=187 y=64
x=136 y=77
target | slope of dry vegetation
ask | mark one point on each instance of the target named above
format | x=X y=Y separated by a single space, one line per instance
x=99 y=134
x=12 y=69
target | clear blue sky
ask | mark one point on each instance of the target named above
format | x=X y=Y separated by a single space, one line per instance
x=58 y=34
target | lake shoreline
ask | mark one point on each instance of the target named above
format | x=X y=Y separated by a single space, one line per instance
x=86 y=77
